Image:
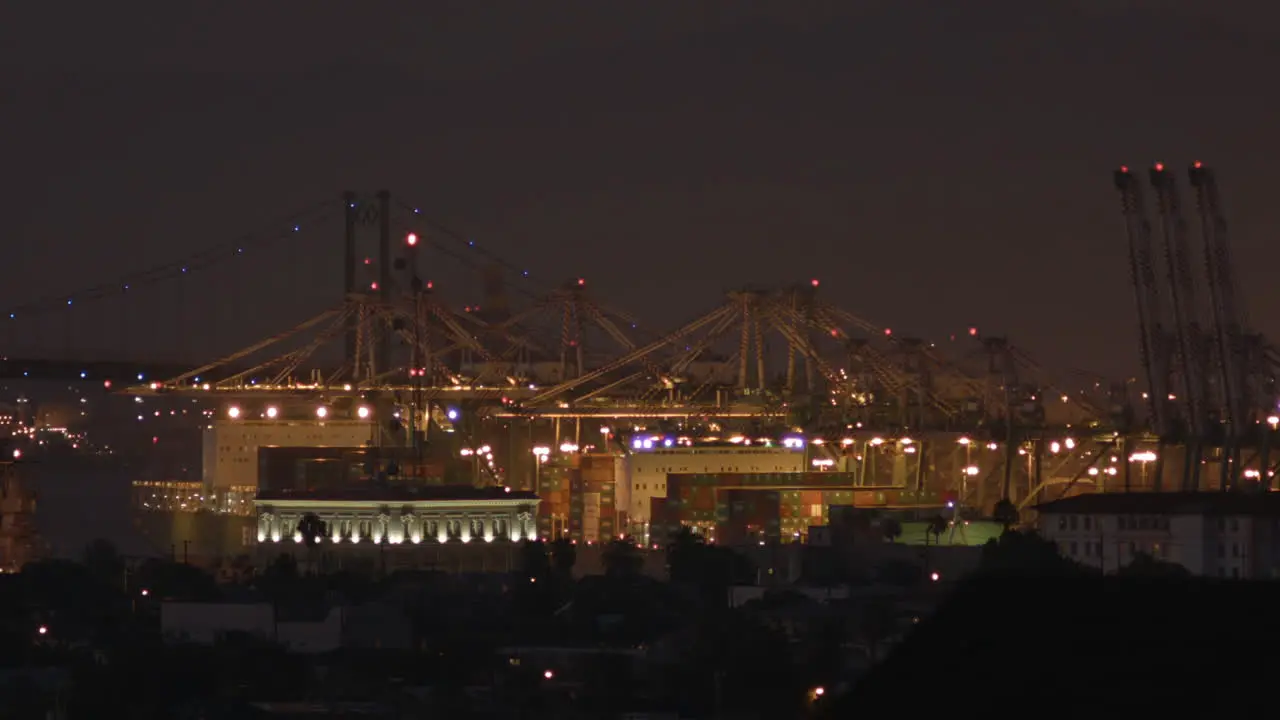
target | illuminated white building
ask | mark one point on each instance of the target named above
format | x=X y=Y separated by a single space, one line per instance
x=1211 y=534
x=653 y=458
x=400 y=516
x=231 y=441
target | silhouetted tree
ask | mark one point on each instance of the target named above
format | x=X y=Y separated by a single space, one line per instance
x=1145 y=566
x=1024 y=554
x=170 y=580
x=900 y=573
x=891 y=528
x=937 y=526
x=691 y=561
x=564 y=555
x=534 y=561
x=877 y=622
x=621 y=560
x=1005 y=513
x=740 y=667
x=104 y=563
x=312 y=529
x=684 y=556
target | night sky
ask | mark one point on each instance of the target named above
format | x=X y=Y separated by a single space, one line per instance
x=937 y=164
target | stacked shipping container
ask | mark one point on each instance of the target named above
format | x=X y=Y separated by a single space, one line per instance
x=745 y=507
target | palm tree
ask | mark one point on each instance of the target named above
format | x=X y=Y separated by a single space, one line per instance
x=313 y=530
x=937 y=526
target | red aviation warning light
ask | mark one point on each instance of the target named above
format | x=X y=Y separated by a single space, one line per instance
x=814 y=282
x=1124 y=169
x=582 y=282
x=1197 y=165
x=1159 y=167
x=888 y=332
x=411 y=239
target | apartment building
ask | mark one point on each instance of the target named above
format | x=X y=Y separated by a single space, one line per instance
x=1211 y=534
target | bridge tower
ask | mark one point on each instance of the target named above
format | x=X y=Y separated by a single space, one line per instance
x=367 y=220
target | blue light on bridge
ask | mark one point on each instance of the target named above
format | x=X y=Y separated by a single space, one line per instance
x=296 y=228
x=68 y=301
x=139 y=376
x=83 y=374
x=453 y=414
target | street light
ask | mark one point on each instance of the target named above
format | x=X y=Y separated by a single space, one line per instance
x=540 y=454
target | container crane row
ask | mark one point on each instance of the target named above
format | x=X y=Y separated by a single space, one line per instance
x=1209 y=389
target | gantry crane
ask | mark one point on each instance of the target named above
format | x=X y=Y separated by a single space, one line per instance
x=1153 y=332
x=1189 y=337
x=1242 y=395
x=1206 y=387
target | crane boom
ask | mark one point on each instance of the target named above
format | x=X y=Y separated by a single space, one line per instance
x=1152 y=336
x=1228 y=320
x=1186 y=325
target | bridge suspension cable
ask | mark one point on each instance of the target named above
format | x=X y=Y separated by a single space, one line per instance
x=291 y=225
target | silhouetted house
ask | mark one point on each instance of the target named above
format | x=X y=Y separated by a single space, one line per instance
x=1214 y=534
x=1096 y=647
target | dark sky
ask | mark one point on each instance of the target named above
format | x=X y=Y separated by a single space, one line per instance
x=936 y=164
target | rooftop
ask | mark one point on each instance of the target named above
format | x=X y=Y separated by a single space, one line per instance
x=385 y=493
x=1167 y=503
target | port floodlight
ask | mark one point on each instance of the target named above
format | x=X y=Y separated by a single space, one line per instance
x=363 y=412
x=233 y=412
x=411 y=239
x=322 y=412
x=272 y=411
